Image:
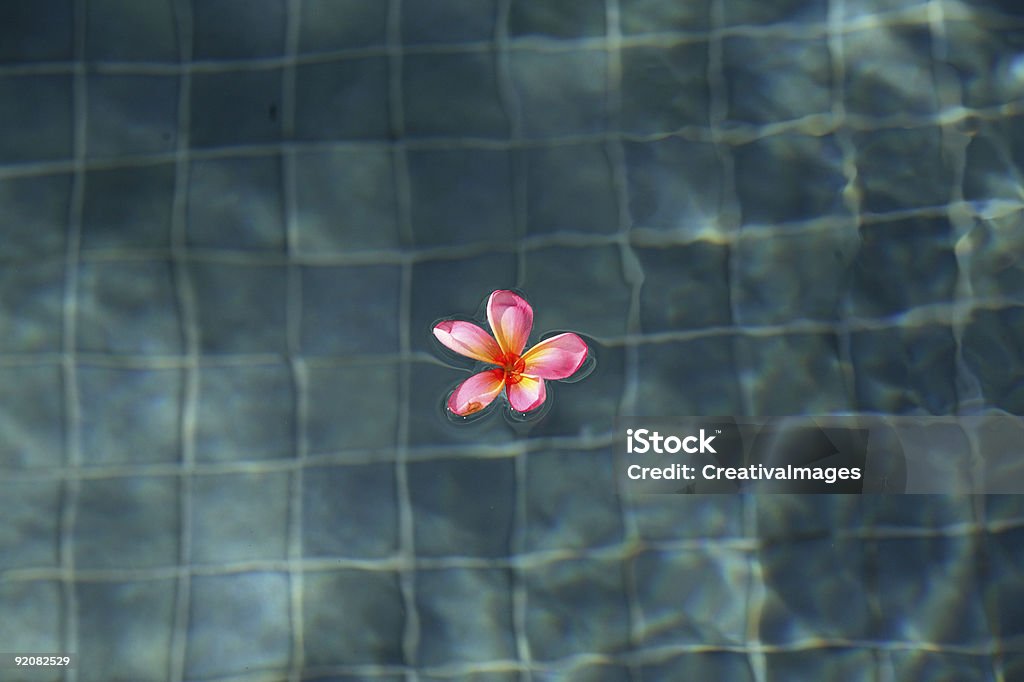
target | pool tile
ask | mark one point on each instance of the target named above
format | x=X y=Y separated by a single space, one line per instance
x=890 y=76
x=130 y=522
x=126 y=30
x=571 y=501
x=913 y=609
x=679 y=608
x=34 y=618
x=129 y=415
x=471 y=105
x=353 y=617
x=902 y=265
x=586 y=597
x=131 y=115
x=236 y=108
x=465 y=616
x=832 y=606
x=32 y=32
x=561 y=93
x=34 y=211
x=570 y=188
x=350 y=309
x=35 y=122
x=30 y=535
x=346 y=99
x=903 y=169
x=796 y=276
x=664 y=88
x=992 y=346
x=710 y=367
x=31 y=307
x=822 y=663
x=350 y=511
x=794 y=374
x=235 y=204
x=238 y=29
x=31 y=416
x=811 y=188
x=656 y=16
x=711 y=665
x=557 y=20
x=792 y=12
x=345 y=201
x=128 y=307
x=128 y=208
x=762 y=84
x=237 y=623
x=904 y=370
x=675 y=185
x=125 y=627
x=240 y=308
x=461 y=197
x=240 y=517
x=685 y=286
x=463 y=507
x=352 y=407
x=332 y=25
x=448 y=22
x=245 y=412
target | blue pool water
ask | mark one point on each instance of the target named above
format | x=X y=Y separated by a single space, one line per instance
x=227 y=227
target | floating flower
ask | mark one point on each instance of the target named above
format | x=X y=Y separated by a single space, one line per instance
x=520 y=374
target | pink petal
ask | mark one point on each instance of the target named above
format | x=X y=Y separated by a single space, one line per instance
x=527 y=395
x=511 y=319
x=476 y=392
x=468 y=339
x=555 y=358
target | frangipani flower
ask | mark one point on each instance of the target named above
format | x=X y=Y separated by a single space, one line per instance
x=520 y=374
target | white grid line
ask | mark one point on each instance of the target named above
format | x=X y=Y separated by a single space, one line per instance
x=519 y=169
x=406 y=527
x=730 y=223
x=912 y=16
x=297 y=365
x=533 y=560
x=70 y=489
x=633 y=275
x=190 y=328
x=737 y=133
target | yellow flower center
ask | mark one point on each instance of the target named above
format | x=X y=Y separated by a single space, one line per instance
x=513 y=367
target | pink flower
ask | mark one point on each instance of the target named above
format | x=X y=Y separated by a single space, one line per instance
x=520 y=374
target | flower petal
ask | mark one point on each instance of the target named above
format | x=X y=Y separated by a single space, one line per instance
x=476 y=392
x=468 y=339
x=527 y=395
x=511 y=320
x=555 y=358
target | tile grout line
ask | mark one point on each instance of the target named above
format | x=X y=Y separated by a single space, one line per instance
x=731 y=220
x=406 y=524
x=71 y=488
x=178 y=657
x=740 y=133
x=851 y=193
x=633 y=275
x=967 y=381
x=852 y=199
x=658 y=39
x=519 y=169
x=293 y=322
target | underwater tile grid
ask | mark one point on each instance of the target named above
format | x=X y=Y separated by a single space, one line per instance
x=227 y=227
